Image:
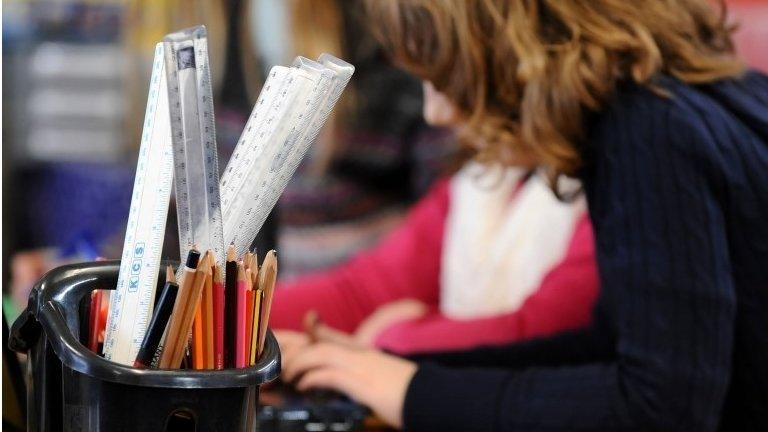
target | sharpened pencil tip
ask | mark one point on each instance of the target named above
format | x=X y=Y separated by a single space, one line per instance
x=169 y=276
x=231 y=254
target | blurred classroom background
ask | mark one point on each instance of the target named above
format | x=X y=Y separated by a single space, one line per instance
x=74 y=88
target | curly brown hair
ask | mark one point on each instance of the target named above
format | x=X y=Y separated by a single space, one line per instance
x=525 y=73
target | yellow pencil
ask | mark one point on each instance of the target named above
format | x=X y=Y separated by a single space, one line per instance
x=254 y=349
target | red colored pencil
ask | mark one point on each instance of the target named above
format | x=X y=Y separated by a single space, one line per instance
x=95 y=321
x=241 y=305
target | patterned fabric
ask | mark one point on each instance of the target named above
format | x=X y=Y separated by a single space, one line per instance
x=677 y=189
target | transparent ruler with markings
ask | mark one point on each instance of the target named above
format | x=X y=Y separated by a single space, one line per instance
x=294 y=104
x=193 y=134
x=131 y=303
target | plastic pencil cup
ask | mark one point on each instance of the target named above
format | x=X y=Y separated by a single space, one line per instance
x=70 y=388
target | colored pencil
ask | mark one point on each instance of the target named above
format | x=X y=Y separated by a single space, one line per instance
x=207 y=308
x=95 y=321
x=248 y=260
x=254 y=342
x=241 y=307
x=174 y=325
x=255 y=270
x=198 y=344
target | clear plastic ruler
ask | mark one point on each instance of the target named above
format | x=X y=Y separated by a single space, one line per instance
x=259 y=140
x=285 y=164
x=306 y=109
x=278 y=165
x=193 y=133
x=277 y=95
x=131 y=304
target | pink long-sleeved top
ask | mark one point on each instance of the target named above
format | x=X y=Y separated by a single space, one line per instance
x=406 y=264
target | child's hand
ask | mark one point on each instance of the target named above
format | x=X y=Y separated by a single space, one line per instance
x=290 y=343
x=387 y=316
x=377 y=380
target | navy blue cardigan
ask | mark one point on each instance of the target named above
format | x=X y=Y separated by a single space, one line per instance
x=678 y=194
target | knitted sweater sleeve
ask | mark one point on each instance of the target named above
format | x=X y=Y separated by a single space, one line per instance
x=666 y=285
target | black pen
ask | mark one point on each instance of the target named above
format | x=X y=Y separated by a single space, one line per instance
x=230 y=309
x=160 y=318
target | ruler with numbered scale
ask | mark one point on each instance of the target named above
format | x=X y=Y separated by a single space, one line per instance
x=131 y=303
x=195 y=157
x=179 y=141
x=271 y=148
x=277 y=98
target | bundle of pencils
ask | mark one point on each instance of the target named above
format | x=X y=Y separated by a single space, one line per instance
x=248 y=294
x=211 y=321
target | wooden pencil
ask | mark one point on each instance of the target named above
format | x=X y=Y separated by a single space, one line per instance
x=193 y=300
x=254 y=348
x=198 y=344
x=248 y=260
x=255 y=270
x=267 y=279
x=174 y=324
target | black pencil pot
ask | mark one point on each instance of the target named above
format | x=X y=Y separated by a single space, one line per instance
x=70 y=388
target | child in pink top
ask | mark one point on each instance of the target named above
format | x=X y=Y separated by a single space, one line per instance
x=406 y=266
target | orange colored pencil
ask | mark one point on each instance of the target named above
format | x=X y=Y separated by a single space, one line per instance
x=198 y=344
